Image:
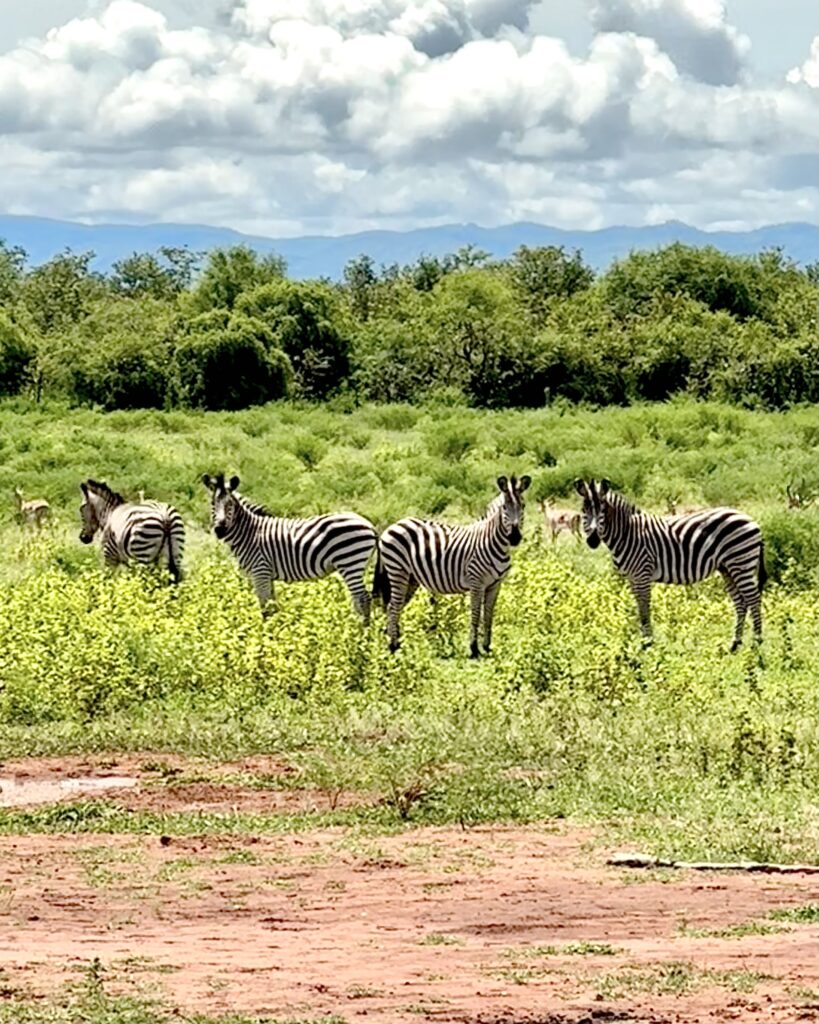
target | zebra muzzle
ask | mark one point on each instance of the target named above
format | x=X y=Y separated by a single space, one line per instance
x=593 y=540
x=514 y=536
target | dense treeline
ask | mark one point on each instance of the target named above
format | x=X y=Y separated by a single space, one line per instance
x=175 y=329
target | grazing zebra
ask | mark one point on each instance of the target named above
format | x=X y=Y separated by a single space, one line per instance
x=31 y=513
x=470 y=559
x=138 y=532
x=679 y=549
x=270 y=548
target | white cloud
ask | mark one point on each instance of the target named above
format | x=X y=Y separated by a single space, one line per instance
x=345 y=114
x=694 y=33
x=809 y=71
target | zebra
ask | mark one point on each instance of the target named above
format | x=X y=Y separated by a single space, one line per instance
x=471 y=559
x=678 y=549
x=132 y=531
x=270 y=548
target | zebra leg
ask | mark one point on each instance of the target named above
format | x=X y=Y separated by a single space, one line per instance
x=355 y=584
x=401 y=590
x=489 y=598
x=642 y=594
x=476 y=596
x=263 y=587
x=739 y=604
x=750 y=594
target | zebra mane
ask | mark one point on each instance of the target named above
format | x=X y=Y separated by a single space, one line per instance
x=253 y=506
x=110 y=497
x=618 y=501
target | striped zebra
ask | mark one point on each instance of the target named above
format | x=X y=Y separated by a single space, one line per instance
x=445 y=559
x=678 y=549
x=131 y=531
x=270 y=548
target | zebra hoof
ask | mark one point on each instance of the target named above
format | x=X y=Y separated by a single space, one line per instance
x=394 y=646
x=474 y=652
x=735 y=646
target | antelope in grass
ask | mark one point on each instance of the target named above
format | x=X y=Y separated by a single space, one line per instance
x=558 y=520
x=31 y=513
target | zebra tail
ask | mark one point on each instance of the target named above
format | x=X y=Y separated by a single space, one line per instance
x=173 y=568
x=763 y=572
x=381 y=582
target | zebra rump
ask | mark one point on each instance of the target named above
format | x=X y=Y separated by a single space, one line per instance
x=132 y=531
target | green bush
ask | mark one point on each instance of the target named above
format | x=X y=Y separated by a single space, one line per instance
x=225 y=361
x=16 y=354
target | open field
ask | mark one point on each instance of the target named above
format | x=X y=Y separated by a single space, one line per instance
x=408 y=837
x=496 y=923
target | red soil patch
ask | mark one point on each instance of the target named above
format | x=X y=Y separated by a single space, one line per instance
x=432 y=924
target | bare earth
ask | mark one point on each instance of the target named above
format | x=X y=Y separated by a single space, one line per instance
x=433 y=924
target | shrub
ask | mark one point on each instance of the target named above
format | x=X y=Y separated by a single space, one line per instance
x=16 y=355
x=225 y=361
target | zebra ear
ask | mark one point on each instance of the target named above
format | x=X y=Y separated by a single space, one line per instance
x=233 y=483
x=605 y=487
x=525 y=481
x=503 y=483
x=580 y=487
x=208 y=481
x=84 y=488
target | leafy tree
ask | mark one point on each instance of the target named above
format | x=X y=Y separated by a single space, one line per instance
x=120 y=354
x=306 y=321
x=229 y=361
x=145 y=274
x=360 y=277
x=59 y=293
x=230 y=272
x=12 y=266
x=16 y=353
x=546 y=273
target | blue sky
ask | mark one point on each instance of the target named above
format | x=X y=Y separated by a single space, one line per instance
x=286 y=117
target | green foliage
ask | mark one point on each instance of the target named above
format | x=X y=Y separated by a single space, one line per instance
x=229 y=361
x=144 y=274
x=306 y=322
x=16 y=354
x=456 y=329
x=230 y=272
x=546 y=273
x=121 y=354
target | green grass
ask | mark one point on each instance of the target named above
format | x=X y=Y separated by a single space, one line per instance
x=678 y=747
x=735 y=931
x=675 y=978
x=807 y=914
x=568 y=949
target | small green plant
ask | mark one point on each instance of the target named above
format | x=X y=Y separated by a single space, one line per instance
x=808 y=913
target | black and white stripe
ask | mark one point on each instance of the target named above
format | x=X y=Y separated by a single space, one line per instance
x=132 y=532
x=678 y=549
x=270 y=548
x=451 y=560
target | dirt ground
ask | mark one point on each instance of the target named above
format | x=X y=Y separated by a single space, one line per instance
x=491 y=925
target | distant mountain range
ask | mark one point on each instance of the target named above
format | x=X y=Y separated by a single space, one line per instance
x=325 y=255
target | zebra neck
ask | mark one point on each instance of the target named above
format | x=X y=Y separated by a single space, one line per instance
x=495 y=533
x=244 y=525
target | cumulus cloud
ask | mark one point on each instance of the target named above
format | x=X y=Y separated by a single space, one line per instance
x=694 y=33
x=294 y=115
x=809 y=71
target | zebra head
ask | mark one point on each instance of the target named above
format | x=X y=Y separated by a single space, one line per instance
x=595 y=509
x=98 y=500
x=223 y=502
x=511 y=505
